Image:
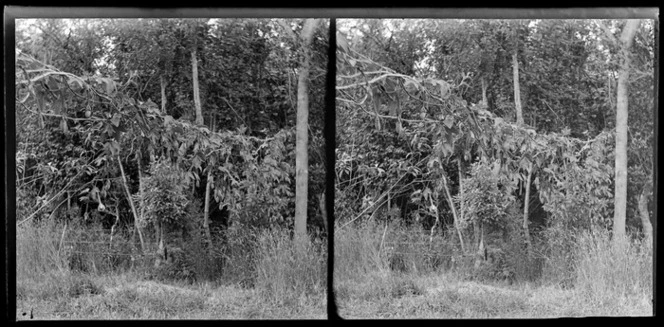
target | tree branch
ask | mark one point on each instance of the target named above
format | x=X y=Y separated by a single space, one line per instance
x=612 y=38
x=287 y=29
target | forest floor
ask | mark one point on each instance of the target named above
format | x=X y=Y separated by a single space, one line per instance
x=390 y=296
x=127 y=297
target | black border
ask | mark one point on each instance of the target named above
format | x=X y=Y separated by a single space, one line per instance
x=9 y=175
x=426 y=11
x=330 y=132
x=8 y=129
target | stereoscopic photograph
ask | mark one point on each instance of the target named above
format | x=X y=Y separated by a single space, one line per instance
x=409 y=165
x=170 y=168
x=494 y=168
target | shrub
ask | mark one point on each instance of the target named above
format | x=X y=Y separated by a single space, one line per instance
x=80 y=284
x=191 y=259
x=486 y=197
x=164 y=195
x=178 y=267
x=240 y=255
x=560 y=256
x=515 y=261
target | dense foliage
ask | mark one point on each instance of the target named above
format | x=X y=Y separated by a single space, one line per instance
x=107 y=130
x=428 y=132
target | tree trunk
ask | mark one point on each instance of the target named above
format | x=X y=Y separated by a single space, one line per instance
x=161 y=248
x=481 y=254
x=162 y=83
x=301 y=136
x=517 y=89
x=462 y=207
x=476 y=234
x=484 y=99
x=206 y=215
x=131 y=204
x=142 y=205
x=323 y=210
x=197 y=96
x=115 y=224
x=450 y=202
x=140 y=186
x=620 y=197
x=644 y=214
x=526 y=203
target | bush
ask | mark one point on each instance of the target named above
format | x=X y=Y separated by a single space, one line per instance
x=287 y=269
x=80 y=284
x=560 y=255
x=207 y=265
x=190 y=259
x=240 y=255
x=178 y=267
x=165 y=199
x=515 y=261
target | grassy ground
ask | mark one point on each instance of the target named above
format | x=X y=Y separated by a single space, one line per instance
x=60 y=296
x=596 y=277
x=289 y=282
x=433 y=296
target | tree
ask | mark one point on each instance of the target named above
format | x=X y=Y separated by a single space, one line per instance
x=194 y=75
x=302 y=127
x=517 y=89
x=620 y=213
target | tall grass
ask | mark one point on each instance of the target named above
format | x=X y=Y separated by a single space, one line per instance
x=609 y=271
x=38 y=250
x=382 y=247
x=358 y=251
x=290 y=270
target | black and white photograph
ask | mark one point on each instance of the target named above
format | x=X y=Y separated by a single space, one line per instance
x=494 y=168
x=170 y=168
x=268 y=164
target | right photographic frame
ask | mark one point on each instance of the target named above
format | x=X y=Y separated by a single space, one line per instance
x=495 y=168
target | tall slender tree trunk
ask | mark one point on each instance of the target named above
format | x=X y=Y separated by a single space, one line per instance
x=197 y=96
x=526 y=203
x=485 y=101
x=462 y=207
x=323 y=211
x=301 y=134
x=162 y=83
x=620 y=198
x=206 y=215
x=158 y=229
x=644 y=214
x=450 y=202
x=140 y=190
x=131 y=204
x=517 y=89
